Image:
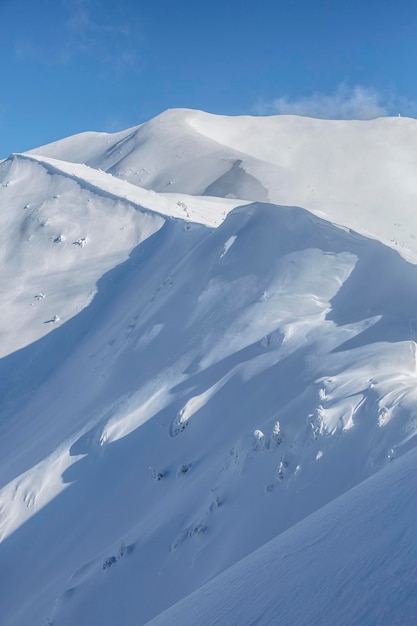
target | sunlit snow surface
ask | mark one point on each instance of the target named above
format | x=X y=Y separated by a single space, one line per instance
x=185 y=378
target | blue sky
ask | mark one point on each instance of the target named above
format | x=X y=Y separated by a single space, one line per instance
x=74 y=65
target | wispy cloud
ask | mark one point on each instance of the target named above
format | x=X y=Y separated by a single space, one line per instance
x=346 y=102
x=83 y=24
x=89 y=33
x=83 y=30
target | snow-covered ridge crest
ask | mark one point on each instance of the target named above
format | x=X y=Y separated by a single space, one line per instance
x=55 y=209
x=200 y=210
x=58 y=237
x=187 y=377
x=360 y=174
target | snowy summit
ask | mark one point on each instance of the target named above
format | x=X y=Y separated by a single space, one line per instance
x=208 y=399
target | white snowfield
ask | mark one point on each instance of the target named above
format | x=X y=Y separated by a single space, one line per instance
x=195 y=372
x=360 y=174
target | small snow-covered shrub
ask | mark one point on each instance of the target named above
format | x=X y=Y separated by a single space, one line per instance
x=265 y=341
x=276 y=435
x=215 y=503
x=282 y=466
x=197 y=530
x=122 y=550
x=182 y=470
x=258 y=439
x=81 y=242
x=108 y=562
x=155 y=474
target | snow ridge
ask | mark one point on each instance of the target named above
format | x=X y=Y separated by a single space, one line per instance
x=196 y=388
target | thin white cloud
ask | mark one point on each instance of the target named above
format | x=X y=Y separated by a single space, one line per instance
x=113 y=43
x=25 y=49
x=83 y=31
x=357 y=102
x=81 y=21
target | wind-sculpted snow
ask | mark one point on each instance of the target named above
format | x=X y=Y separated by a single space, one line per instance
x=183 y=380
x=212 y=404
x=208 y=211
x=360 y=174
x=62 y=217
x=57 y=239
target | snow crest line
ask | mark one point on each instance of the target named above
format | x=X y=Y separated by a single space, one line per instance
x=208 y=211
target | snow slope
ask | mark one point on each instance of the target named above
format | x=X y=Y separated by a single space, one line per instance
x=348 y=569
x=357 y=173
x=62 y=216
x=52 y=226
x=218 y=371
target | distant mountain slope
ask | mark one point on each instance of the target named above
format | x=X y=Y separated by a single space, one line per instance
x=359 y=174
x=84 y=147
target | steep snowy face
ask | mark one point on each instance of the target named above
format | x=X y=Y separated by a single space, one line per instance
x=64 y=225
x=186 y=377
x=359 y=174
x=58 y=236
x=230 y=383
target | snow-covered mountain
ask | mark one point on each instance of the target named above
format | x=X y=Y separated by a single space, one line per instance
x=359 y=173
x=208 y=331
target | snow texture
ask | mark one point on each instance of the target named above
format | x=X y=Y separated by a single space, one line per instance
x=208 y=401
